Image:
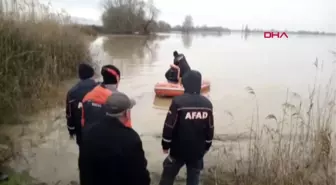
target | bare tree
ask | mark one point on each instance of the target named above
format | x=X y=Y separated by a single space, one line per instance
x=188 y=24
x=152 y=14
x=128 y=16
x=163 y=26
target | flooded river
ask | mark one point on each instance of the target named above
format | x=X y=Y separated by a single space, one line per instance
x=230 y=62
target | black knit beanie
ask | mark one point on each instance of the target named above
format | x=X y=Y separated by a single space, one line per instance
x=85 y=71
x=111 y=74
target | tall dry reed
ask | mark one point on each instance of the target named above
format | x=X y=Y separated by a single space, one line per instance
x=298 y=150
x=39 y=48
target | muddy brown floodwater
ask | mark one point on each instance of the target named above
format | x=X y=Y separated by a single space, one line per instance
x=230 y=62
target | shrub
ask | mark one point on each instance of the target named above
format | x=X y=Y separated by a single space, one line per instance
x=37 y=52
x=298 y=150
x=86 y=29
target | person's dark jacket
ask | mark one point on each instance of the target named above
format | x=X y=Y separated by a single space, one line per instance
x=171 y=75
x=74 y=98
x=182 y=63
x=189 y=125
x=112 y=153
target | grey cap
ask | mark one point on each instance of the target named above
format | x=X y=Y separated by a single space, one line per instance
x=118 y=103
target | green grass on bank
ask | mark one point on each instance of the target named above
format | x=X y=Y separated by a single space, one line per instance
x=16 y=179
x=37 y=52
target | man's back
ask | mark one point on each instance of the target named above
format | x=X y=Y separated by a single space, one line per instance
x=112 y=154
x=189 y=128
x=93 y=108
x=93 y=101
x=73 y=108
x=188 y=131
x=182 y=63
x=79 y=90
x=192 y=128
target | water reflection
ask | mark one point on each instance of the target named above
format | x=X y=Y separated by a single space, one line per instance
x=131 y=52
x=245 y=35
x=161 y=103
x=187 y=40
x=131 y=48
x=215 y=34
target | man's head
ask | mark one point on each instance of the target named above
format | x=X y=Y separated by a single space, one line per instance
x=192 y=82
x=85 y=71
x=111 y=74
x=175 y=53
x=117 y=105
x=176 y=60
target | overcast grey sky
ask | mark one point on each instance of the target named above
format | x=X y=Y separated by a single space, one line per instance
x=282 y=14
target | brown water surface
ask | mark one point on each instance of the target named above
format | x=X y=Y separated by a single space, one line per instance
x=230 y=62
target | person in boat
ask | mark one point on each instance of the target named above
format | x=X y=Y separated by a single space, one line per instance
x=93 y=101
x=188 y=131
x=111 y=152
x=74 y=98
x=181 y=62
x=173 y=73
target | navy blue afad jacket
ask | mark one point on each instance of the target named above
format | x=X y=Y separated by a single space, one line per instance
x=74 y=106
x=189 y=126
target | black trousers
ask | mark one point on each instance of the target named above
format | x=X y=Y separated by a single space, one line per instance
x=171 y=168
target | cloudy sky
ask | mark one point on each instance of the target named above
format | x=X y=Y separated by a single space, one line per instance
x=281 y=14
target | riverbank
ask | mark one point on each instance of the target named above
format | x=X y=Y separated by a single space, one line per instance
x=228 y=162
x=38 y=52
x=18 y=178
x=237 y=157
x=261 y=157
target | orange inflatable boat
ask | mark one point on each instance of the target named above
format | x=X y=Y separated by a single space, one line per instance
x=170 y=89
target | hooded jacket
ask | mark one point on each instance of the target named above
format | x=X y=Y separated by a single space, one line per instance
x=172 y=75
x=189 y=127
x=74 y=98
x=181 y=61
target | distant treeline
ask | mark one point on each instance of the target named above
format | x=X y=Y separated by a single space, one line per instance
x=162 y=26
x=158 y=27
x=301 y=32
x=247 y=30
x=201 y=29
x=141 y=17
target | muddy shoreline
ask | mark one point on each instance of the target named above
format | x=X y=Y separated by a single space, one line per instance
x=43 y=149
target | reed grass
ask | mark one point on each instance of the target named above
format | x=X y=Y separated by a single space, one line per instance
x=296 y=148
x=39 y=48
